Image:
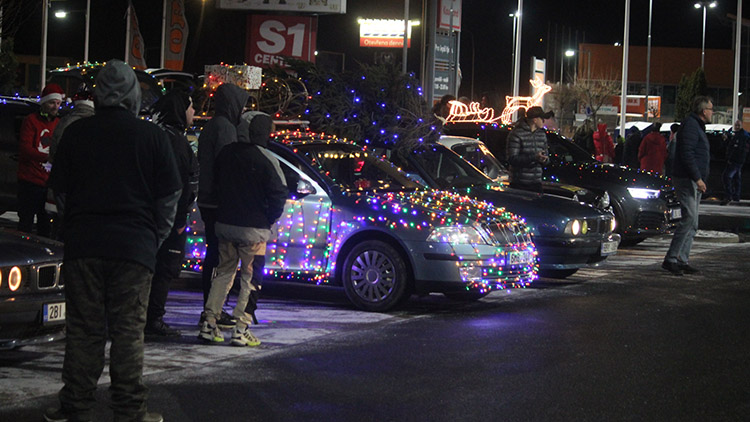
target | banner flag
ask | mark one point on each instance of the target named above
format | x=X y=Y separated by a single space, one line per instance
x=134 y=56
x=176 y=34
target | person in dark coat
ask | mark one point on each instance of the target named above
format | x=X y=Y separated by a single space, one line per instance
x=689 y=173
x=121 y=187
x=174 y=113
x=252 y=192
x=630 y=150
x=221 y=130
x=738 y=146
x=527 y=150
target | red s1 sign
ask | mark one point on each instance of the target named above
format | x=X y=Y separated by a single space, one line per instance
x=274 y=37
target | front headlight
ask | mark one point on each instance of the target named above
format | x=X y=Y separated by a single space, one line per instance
x=576 y=227
x=14 y=279
x=604 y=200
x=459 y=235
x=640 y=193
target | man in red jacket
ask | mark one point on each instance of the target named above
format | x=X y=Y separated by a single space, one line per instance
x=33 y=166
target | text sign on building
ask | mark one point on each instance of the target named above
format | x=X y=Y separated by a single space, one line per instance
x=271 y=38
x=448 y=8
x=445 y=68
x=291 y=6
x=387 y=33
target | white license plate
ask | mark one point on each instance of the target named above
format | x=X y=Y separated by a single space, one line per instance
x=54 y=312
x=675 y=213
x=609 y=247
x=519 y=257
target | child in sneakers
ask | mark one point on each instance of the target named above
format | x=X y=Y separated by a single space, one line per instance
x=252 y=192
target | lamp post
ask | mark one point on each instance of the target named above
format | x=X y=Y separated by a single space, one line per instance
x=648 y=54
x=704 y=4
x=513 y=50
x=62 y=14
x=43 y=64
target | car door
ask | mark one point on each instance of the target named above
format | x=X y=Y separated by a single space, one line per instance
x=301 y=235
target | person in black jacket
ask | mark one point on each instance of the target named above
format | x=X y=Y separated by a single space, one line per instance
x=251 y=194
x=689 y=173
x=121 y=187
x=527 y=150
x=630 y=150
x=174 y=113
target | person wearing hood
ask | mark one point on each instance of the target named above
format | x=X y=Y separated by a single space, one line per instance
x=653 y=150
x=251 y=192
x=603 y=145
x=121 y=187
x=630 y=150
x=527 y=150
x=221 y=130
x=33 y=161
x=174 y=113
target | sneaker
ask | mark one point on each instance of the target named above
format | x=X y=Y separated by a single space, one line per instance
x=672 y=267
x=244 y=338
x=211 y=333
x=160 y=328
x=226 y=321
x=152 y=417
x=203 y=319
x=688 y=269
x=55 y=415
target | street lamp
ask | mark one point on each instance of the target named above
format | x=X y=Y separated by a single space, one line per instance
x=567 y=53
x=513 y=50
x=62 y=14
x=704 y=4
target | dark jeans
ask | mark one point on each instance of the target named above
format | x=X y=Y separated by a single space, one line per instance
x=31 y=200
x=105 y=299
x=211 y=260
x=732 y=177
x=168 y=266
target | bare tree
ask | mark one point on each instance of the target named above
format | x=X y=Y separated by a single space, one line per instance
x=14 y=14
x=596 y=92
x=562 y=100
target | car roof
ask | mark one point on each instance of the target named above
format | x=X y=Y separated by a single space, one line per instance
x=295 y=138
x=20 y=101
x=640 y=125
x=450 y=140
x=718 y=127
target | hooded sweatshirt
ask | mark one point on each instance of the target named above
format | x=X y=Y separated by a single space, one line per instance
x=603 y=145
x=250 y=185
x=119 y=176
x=221 y=130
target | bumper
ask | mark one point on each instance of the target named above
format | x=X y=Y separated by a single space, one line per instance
x=22 y=321
x=650 y=217
x=563 y=254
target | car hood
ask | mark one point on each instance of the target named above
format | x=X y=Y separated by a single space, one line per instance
x=603 y=175
x=17 y=248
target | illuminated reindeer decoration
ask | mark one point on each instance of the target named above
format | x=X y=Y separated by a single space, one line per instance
x=515 y=103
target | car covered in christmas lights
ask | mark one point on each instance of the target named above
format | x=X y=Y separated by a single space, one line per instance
x=353 y=219
x=644 y=203
x=32 y=300
x=568 y=235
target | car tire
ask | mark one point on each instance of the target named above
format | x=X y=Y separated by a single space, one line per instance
x=467 y=296
x=559 y=274
x=374 y=276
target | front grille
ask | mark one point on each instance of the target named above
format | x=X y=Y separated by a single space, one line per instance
x=649 y=220
x=46 y=276
x=599 y=225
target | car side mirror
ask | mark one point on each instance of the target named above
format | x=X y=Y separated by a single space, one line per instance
x=304 y=187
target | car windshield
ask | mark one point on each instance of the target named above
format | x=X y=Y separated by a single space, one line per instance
x=438 y=163
x=566 y=151
x=481 y=157
x=357 y=170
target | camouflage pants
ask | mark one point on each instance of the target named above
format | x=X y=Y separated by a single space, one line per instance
x=105 y=299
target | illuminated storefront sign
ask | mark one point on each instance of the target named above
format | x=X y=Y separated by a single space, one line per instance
x=384 y=33
x=292 y=6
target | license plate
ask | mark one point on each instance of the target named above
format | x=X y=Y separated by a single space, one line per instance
x=519 y=257
x=675 y=213
x=609 y=247
x=54 y=312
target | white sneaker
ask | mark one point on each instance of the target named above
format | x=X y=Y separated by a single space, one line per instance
x=244 y=337
x=211 y=333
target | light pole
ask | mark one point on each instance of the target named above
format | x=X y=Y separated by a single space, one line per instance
x=569 y=53
x=513 y=50
x=62 y=14
x=648 y=54
x=704 y=4
x=43 y=64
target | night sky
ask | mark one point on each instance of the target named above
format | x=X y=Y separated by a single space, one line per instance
x=486 y=23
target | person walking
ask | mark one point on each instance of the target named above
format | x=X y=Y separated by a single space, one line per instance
x=221 y=130
x=33 y=165
x=652 y=152
x=251 y=193
x=738 y=146
x=174 y=113
x=603 y=145
x=631 y=147
x=527 y=150
x=690 y=170
x=121 y=187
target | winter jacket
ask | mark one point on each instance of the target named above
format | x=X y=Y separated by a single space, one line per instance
x=653 y=152
x=603 y=145
x=630 y=150
x=250 y=186
x=35 y=130
x=692 y=154
x=118 y=174
x=737 y=147
x=170 y=115
x=522 y=150
x=221 y=130
x=81 y=109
